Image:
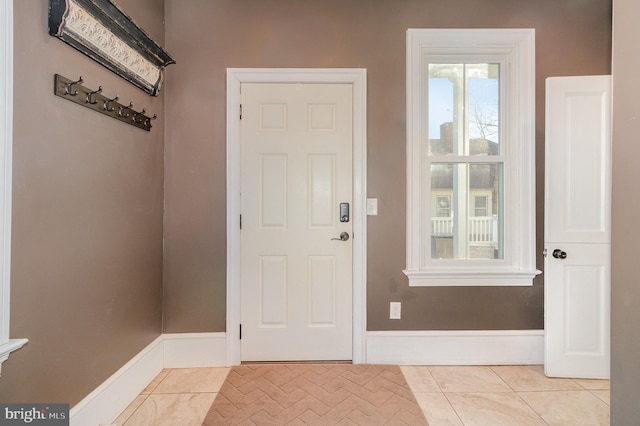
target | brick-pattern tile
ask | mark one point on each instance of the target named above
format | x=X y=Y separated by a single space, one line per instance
x=303 y=394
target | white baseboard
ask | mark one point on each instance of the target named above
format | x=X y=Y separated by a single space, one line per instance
x=193 y=350
x=476 y=347
x=188 y=350
x=109 y=399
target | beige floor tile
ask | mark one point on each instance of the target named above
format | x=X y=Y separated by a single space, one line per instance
x=603 y=394
x=191 y=380
x=128 y=412
x=593 y=384
x=437 y=409
x=565 y=408
x=156 y=381
x=468 y=379
x=419 y=378
x=493 y=409
x=185 y=409
x=532 y=378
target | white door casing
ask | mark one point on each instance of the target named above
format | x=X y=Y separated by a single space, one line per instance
x=7 y=345
x=357 y=79
x=296 y=170
x=578 y=226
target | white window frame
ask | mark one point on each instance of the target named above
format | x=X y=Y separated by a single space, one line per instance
x=515 y=50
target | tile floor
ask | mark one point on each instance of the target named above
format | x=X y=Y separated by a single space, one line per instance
x=456 y=395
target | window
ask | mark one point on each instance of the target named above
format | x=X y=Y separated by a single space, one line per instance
x=480 y=206
x=443 y=206
x=470 y=156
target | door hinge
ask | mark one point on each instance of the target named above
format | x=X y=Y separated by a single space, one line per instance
x=240 y=331
x=240 y=111
x=240 y=221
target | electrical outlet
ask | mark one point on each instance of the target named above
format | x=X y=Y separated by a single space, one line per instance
x=394 y=310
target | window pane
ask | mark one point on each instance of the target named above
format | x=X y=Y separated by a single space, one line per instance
x=473 y=229
x=442 y=90
x=464 y=109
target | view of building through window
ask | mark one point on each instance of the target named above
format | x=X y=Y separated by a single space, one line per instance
x=466 y=195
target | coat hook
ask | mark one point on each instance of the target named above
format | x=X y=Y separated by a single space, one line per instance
x=90 y=99
x=135 y=116
x=147 y=122
x=70 y=85
x=108 y=101
x=123 y=109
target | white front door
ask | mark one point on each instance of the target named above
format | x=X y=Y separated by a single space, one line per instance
x=296 y=272
x=577 y=226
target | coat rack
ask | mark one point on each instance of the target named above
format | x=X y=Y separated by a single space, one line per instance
x=74 y=91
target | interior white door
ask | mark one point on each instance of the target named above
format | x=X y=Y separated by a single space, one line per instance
x=577 y=226
x=296 y=279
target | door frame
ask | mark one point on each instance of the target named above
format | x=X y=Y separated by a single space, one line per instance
x=357 y=77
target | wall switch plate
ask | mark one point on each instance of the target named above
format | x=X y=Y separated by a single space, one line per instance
x=372 y=206
x=394 y=310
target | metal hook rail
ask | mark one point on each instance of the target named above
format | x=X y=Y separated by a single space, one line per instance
x=93 y=99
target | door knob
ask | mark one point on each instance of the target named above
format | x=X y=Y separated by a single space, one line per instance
x=344 y=236
x=559 y=254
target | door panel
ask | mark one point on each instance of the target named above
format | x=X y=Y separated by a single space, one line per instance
x=322 y=181
x=577 y=312
x=273 y=291
x=296 y=284
x=578 y=193
x=577 y=227
x=273 y=191
x=322 y=284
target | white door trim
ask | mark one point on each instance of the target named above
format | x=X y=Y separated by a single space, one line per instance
x=356 y=77
x=7 y=345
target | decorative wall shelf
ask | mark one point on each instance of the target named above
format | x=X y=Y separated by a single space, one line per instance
x=103 y=32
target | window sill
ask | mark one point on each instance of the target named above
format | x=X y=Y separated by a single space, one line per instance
x=470 y=277
x=7 y=348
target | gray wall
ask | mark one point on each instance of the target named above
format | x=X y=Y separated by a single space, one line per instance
x=625 y=291
x=573 y=37
x=87 y=219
